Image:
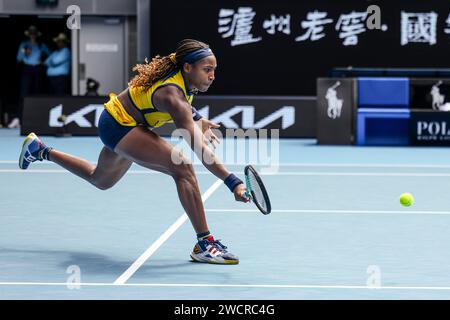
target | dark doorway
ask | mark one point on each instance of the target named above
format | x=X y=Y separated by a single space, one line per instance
x=12 y=34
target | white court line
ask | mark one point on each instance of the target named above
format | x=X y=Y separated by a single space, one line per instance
x=155 y=246
x=68 y=172
x=293 y=164
x=357 y=174
x=285 y=173
x=404 y=212
x=209 y=285
x=361 y=165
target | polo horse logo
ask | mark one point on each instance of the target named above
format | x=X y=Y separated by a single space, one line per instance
x=334 y=103
x=438 y=98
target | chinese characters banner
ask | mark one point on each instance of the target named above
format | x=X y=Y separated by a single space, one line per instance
x=281 y=47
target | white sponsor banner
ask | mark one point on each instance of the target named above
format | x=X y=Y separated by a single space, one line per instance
x=102 y=47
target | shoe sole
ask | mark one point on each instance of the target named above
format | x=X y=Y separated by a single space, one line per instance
x=28 y=140
x=227 y=262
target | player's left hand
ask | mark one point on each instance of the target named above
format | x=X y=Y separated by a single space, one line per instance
x=206 y=126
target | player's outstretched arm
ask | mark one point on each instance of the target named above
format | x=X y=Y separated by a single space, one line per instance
x=171 y=100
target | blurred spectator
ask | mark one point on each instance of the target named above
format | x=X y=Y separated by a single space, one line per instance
x=31 y=53
x=59 y=67
x=92 y=87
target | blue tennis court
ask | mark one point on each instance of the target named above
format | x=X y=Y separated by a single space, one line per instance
x=337 y=229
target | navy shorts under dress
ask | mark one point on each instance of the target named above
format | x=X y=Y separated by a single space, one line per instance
x=110 y=131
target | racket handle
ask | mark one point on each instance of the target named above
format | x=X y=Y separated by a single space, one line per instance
x=247 y=185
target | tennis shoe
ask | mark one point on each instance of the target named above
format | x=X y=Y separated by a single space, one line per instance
x=212 y=251
x=32 y=150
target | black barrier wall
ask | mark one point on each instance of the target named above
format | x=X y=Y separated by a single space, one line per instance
x=430 y=128
x=336 y=109
x=41 y=114
x=295 y=117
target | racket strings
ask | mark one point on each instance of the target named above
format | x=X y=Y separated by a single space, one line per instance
x=258 y=193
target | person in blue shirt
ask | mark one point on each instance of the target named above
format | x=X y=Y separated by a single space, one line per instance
x=58 y=64
x=31 y=54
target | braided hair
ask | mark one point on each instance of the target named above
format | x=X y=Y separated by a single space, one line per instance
x=160 y=67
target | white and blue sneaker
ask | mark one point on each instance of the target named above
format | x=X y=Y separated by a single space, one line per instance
x=32 y=150
x=212 y=251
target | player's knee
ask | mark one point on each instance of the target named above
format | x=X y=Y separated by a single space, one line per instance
x=103 y=185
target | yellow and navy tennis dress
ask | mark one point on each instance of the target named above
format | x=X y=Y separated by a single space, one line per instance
x=115 y=122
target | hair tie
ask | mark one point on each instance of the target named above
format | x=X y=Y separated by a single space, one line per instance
x=173 y=58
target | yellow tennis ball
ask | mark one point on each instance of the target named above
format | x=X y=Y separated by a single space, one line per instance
x=406 y=199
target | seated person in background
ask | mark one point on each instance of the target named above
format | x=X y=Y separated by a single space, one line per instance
x=58 y=63
x=92 y=86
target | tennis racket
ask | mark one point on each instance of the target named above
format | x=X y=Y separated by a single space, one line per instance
x=256 y=190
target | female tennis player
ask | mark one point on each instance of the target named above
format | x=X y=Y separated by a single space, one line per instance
x=161 y=92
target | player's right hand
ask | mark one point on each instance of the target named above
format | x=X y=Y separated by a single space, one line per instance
x=240 y=193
